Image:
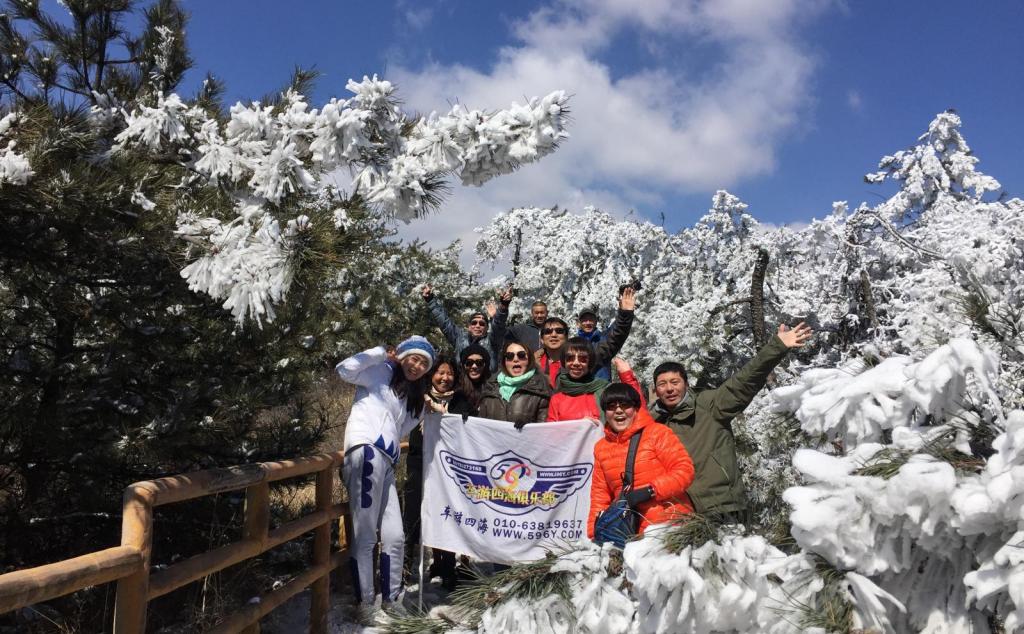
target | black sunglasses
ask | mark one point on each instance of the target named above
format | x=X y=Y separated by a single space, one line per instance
x=614 y=405
x=470 y=363
x=478 y=322
x=521 y=355
x=557 y=331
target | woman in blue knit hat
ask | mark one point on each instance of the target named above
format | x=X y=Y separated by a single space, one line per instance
x=390 y=385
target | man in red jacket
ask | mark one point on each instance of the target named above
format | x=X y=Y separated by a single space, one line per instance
x=554 y=335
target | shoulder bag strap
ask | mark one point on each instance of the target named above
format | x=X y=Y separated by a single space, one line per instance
x=627 y=477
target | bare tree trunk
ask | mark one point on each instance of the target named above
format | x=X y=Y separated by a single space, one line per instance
x=515 y=255
x=757 y=298
x=867 y=299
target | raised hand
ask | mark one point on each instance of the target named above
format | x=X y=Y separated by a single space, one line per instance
x=427 y=291
x=628 y=299
x=506 y=296
x=796 y=337
x=621 y=365
x=492 y=309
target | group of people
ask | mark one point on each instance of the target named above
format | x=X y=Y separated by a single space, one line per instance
x=683 y=461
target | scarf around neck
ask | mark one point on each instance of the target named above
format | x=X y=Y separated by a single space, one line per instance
x=507 y=385
x=438 y=401
x=595 y=386
x=573 y=387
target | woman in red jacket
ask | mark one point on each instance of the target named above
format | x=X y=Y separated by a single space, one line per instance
x=661 y=472
x=578 y=391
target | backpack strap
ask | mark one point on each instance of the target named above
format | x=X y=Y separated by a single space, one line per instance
x=627 y=477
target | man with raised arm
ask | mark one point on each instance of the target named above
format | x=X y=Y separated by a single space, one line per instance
x=476 y=331
x=554 y=334
x=702 y=420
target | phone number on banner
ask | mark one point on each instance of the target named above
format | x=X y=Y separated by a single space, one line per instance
x=517 y=529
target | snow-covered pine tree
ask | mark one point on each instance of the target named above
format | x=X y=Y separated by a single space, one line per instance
x=886 y=468
x=178 y=277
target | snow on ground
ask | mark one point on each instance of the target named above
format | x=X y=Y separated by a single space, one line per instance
x=294 y=615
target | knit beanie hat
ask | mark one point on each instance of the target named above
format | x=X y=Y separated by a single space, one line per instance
x=475 y=348
x=416 y=345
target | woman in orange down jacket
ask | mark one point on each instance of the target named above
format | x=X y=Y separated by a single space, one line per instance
x=662 y=470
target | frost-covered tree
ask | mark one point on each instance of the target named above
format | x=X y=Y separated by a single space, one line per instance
x=178 y=276
x=884 y=468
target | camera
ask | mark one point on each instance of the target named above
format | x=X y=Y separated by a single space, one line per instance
x=635 y=285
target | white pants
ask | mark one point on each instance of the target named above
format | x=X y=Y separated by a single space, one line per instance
x=369 y=477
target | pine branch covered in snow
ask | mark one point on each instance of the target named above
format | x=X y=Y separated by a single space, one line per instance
x=887 y=452
x=270 y=155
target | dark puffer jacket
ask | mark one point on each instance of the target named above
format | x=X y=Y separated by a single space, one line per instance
x=529 y=404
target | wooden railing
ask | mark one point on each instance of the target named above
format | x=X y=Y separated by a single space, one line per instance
x=129 y=563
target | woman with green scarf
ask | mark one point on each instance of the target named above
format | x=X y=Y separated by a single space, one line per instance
x=518 y=393
x=578 y=391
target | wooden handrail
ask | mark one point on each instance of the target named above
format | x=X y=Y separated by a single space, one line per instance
x=129 y=563
x=34 y=585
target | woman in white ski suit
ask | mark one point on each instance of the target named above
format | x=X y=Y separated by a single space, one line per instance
x=389 y=399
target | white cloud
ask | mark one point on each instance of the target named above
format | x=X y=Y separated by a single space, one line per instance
x=655 y=129
x=414 y=14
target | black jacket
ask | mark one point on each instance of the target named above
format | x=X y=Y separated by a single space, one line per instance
x=527 y=333
x=529 y=404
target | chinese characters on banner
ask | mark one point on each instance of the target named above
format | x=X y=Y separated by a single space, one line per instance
x=503 y=495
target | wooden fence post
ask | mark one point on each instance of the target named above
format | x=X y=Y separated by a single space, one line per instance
x=136 y=532
x=257 y=524
x=320 y=591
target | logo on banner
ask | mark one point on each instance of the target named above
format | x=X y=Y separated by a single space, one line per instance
x=510 y=484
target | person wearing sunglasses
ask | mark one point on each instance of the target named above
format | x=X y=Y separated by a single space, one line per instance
x=662 y=469
x=578 y=391
x=476 y=369
x=485 y=328
x=518 y=393
x=554 y=334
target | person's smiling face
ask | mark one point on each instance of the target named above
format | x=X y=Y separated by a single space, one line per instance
x=670 y=388
x=619 y=416
x=414 y=366
x=553 y=335
x=477 y=326
x=577 y=363
x=443 y=379
x=474 y=367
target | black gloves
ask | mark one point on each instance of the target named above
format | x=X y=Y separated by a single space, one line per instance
x=638 y=496
x=519 y=425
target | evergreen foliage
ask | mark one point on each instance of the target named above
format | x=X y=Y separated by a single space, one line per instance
x=114 y=370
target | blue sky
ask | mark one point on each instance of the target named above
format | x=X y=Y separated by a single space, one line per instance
x=786 y=103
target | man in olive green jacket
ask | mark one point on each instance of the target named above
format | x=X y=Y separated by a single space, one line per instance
x=703 y=421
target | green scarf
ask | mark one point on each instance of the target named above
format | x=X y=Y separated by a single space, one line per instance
x=507 y=385
x=594 y=386
x=572 y=387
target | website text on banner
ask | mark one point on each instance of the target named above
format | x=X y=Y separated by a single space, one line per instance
x=503 y=495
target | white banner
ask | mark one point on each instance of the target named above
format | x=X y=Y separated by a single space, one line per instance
x=503 y=495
